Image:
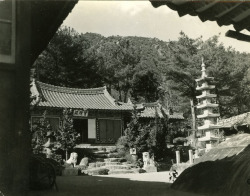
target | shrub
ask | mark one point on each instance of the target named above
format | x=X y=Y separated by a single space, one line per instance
x=103 y=171
x=122 y=144
x=122 y=160
x=141 y=171
x=139 y=163
x=66 y=136
x=82 y=167
x=113 y=150
x=129 y=158
x=99 y=164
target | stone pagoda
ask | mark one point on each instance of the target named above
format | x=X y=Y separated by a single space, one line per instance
x=207 y=103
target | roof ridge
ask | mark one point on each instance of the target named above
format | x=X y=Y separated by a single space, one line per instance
x=50 y=87
x=152 y=104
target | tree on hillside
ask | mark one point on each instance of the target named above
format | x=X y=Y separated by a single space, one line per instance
x=182 y=68
x=228 y=67
x=117 y=61
x=145 y=86
x=64 y=62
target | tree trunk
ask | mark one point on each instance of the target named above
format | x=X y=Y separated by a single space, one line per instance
x=125 y=96
x=193 y=118
x=66 y=155
x=120 y=93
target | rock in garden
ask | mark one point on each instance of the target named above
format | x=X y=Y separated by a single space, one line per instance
x=84 y=161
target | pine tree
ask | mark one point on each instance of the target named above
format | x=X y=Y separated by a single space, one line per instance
x=132 y=131
x=66 y=136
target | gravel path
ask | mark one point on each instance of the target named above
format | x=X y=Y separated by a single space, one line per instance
x=147 y=184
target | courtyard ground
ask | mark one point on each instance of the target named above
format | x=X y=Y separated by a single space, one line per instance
x=147 y=184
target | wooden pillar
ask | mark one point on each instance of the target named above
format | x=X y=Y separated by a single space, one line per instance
x=14 y=109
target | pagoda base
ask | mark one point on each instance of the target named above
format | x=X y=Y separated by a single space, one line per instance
x=208 y=139
x=209 y=127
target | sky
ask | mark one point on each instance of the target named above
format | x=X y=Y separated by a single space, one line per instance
x=140 y=18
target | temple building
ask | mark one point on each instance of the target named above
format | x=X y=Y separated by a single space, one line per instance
x=97 y=117
x=207 y=104
x=151 y=110
x=176 y=122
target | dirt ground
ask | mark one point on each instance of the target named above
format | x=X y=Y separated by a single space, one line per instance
x=147 y=184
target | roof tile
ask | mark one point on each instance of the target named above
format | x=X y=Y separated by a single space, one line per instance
x=63 y=97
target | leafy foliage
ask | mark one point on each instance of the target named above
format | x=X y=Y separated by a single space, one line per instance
x=64 y=62
x=145 y=137
x=132 y=130
x=66 y=136
x=145 y=86
x=39 y=131
x=147 y=69
x=228 y=67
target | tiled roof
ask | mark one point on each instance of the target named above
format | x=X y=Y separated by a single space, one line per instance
x=63 y=97
x=149 y=110
x=236 y=13
x=228 y=148
x=242 y=119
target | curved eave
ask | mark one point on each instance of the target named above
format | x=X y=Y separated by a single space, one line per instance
x=210 y=87
x=210 y=105
x=207 y=79
x=80 y=108
x=206 y=96
x=208 y=116
x=234 y=13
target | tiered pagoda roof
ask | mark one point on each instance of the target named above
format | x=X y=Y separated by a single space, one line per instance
x=205 y=87
x=75 y=98
x=206 y=95
x=206 y=105
x=208 y=115
x=208 y=137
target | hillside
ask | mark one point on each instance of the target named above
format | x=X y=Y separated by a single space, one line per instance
x=147 y=69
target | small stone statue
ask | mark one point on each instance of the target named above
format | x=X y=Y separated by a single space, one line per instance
x=72 y=159
x=145 y=156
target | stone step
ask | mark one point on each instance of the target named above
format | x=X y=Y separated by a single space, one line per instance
x=123 y=171
x=95 y=171
x=100 y=152
x=113 y=159
x=99 y=159
x=113 y=167
x=112 y=163
x=96 y=164
x=100 y=155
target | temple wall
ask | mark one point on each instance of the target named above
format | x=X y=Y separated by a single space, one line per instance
x=103 y=126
